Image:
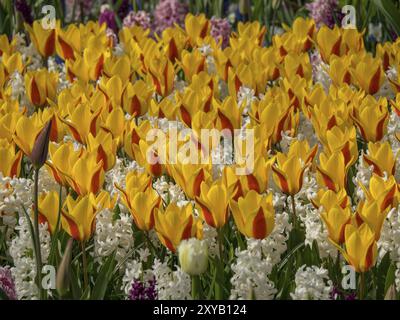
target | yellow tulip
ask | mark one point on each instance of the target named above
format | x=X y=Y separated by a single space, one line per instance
x=148 y=157
x=68 y=41
x=118 y=66
x=82 y=121
x=62 y=159
x=197 y=27
x=370 y=213
x=213 y=203
x=48 y=209
x=133 y=134
x=77 y=69
x=382 y=191
x=339 y=70
x=336 y=219
x=136 y=98
x=104 y=147
x=94 y=58
x=327 y=199
x=229 y=114
x=6 y=46
x=41 y=85
x=78 y=217
x=380 y=157
x=369 y=74
x=162 y=73
x=332 y=171
x=360 y=247
x=87 y=175
x=176 y=224
x=114 y=123
x=329 y=42
x=142 y=206
x=289 y=168
x=192 y=63
x=371 y=118
x=10 y=164
x=43 y=39
x=12 y=63
x=254 y=215
x=189 y=104
x=344 y=141
x=300 y=65
x=26 y=133
x=174 y=41
x=190 y=177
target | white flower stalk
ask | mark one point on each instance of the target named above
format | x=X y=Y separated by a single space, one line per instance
x=21 y=250
x=390 y=236
x=170 y=192
x=171 y=285
x=210 y=237
x=312 y=283
x=14 y=193
x=117 y=175
x=112 y=235
x=250 y=277
x=253 y=265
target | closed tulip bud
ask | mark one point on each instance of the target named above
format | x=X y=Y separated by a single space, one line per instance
x=193 y=256
x=41 y=147
x=63 y=272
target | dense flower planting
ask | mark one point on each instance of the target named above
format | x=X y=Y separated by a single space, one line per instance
x=317 y=205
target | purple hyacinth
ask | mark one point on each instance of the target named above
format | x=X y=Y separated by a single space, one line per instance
x=169 y=12
x=123 y=8
x=324 y=12
x=107 y=16
x=221 y=29
x=141 y=291
x=7 y=283
x=139 y=18
x=25 y=10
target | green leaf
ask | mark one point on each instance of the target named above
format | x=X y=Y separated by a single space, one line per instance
x=390 y=11
x=104 y=277
x=75 y=287
x=390 y=276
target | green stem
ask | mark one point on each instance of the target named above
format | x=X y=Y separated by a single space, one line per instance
x=362 y=286
x=294 y=211
x=220 y=243
x=196 y=288
x=84 y=264
x=56 y=230
x=37 y=234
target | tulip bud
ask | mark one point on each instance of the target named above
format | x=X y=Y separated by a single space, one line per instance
x=193 y=256
x=62 y=283
x=41 y=147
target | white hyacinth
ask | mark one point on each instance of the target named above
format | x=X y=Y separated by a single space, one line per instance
x=171 y=284
x=112 y=235
x=21 y=250
x=312 y=283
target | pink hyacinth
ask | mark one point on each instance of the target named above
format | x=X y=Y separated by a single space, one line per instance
x=7 y=283
x=221 y=29
x=169 y=12
x=139 y=18
x=324 y=12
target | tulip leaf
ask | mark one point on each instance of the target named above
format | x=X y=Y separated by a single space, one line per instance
x=103 y=279
x=391 y=13
x=75 y=288
x=390 y=276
